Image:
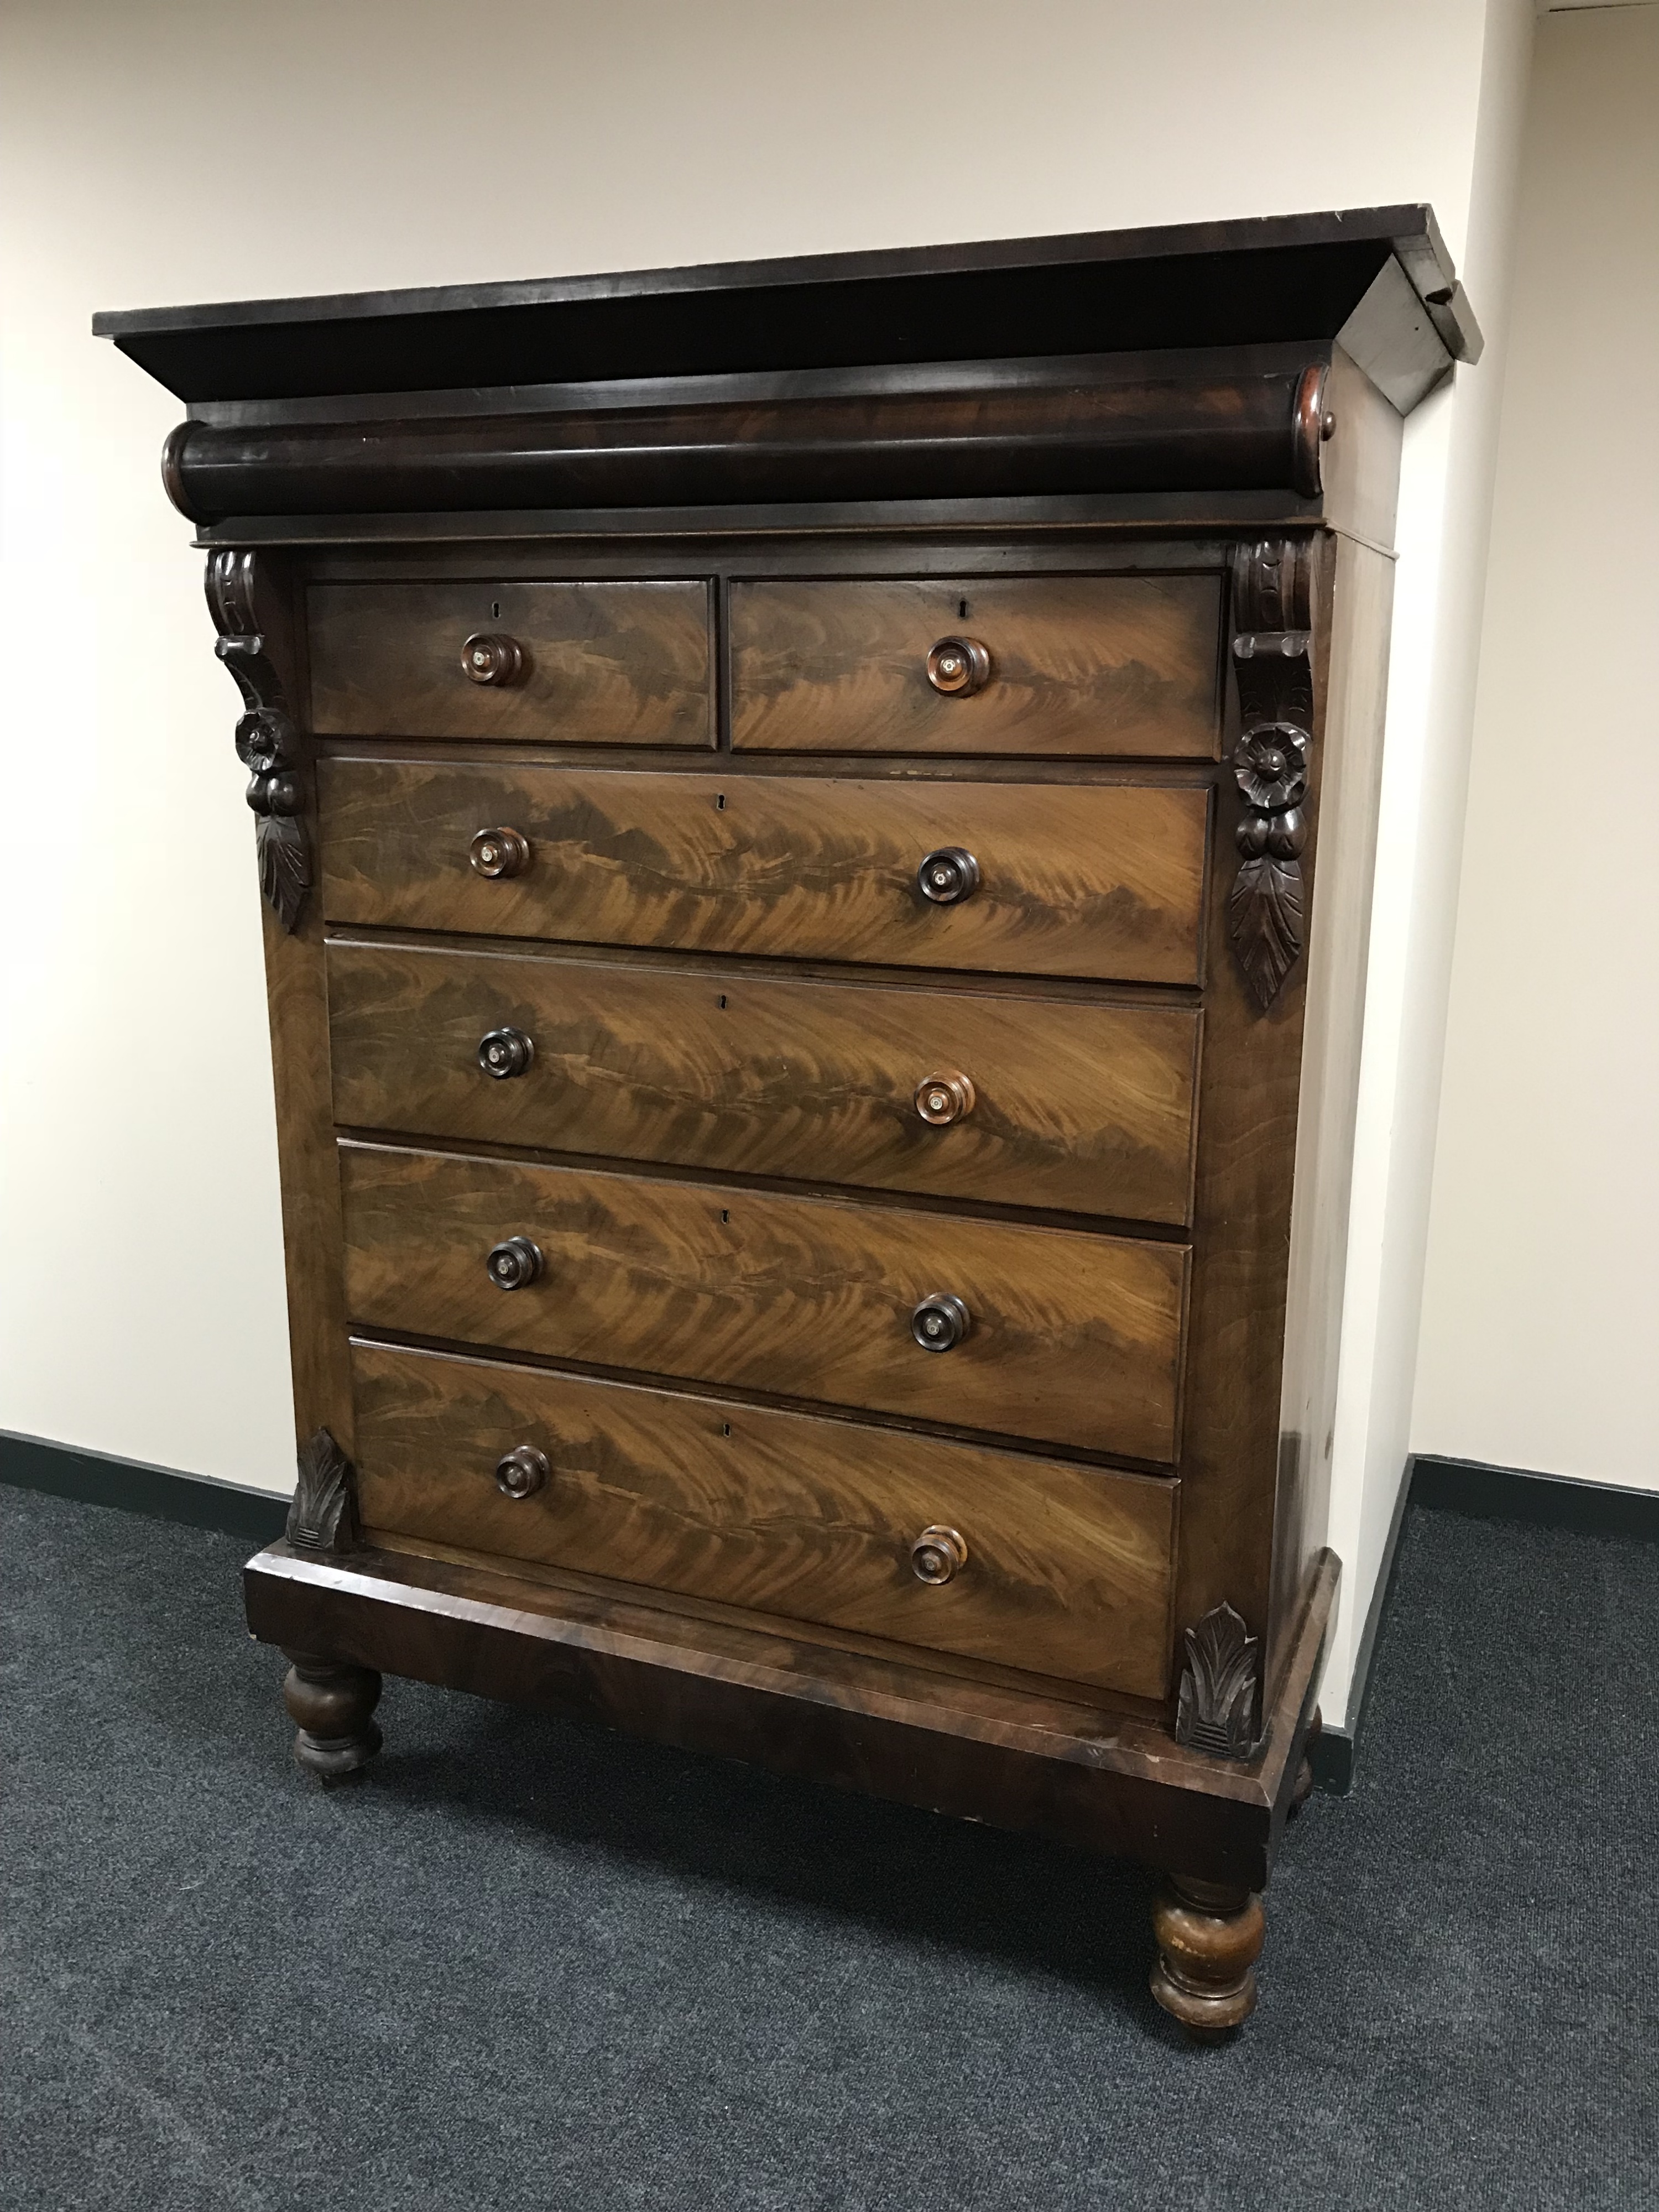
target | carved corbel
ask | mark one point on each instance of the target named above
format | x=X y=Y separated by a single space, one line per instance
x=265 y=736
x=1272 y=657
x=1216 y=1709
x=324 y=1514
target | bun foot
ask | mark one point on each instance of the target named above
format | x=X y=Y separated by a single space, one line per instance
x=1209 y=1938
x=331 y=1704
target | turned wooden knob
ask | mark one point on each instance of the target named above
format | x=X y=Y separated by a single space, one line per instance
x=940 y=1321
x=513 y=1262
x=947 y=875
x=942 y=1099
x=937 y=1555
x=958 y=666
x=493 y=659
x=500 y=853
x=505 y=1052
x=521 y=1472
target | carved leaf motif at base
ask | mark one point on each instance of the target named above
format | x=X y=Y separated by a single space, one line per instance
x=1265 y=921
x=324 y=1514
x=1216 y=1712
x=284 y=865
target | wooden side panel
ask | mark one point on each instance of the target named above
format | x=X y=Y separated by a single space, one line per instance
x=1067 y=1570
x=600 y=664
x=1340 y=939
x=1079 y=664
x=1093 y=880
x=1248 y=1089
x=1087 y=1108
x=297 y=1003
x=1074 y=1339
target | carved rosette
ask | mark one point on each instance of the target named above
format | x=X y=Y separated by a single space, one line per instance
x=1272 y=656
x=324 y=1514
x=1216 y=1709
x=265 y=736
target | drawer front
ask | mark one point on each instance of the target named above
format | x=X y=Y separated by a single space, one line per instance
x=1067 y=1570
x=1102 y=880
x=612 y=664
x=1077 y=665
x=1074 y=1339
x=1081 y=1109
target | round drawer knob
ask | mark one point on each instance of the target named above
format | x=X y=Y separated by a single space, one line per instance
x=500 y=853
x=504 y=1053
x=521 y=1472
x=940 y=1321
x=948 y=875
x=938 y=1554
x=498 y=660
x=514 y=1263
x=958 y=666
x=942 y=1099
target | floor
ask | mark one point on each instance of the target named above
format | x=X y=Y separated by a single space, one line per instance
x=529 y=1965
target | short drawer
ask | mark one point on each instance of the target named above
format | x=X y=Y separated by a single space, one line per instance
x=1032 y=664
x=1011 y=1100
x=1100 y=880
x=1066 y=1570
x=1072 y=1338
x=601 y=664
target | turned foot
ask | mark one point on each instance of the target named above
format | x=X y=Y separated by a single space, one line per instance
x=331 y=1705
x=1209 y=1939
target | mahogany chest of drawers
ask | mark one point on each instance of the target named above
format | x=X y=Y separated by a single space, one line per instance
x=814 y=822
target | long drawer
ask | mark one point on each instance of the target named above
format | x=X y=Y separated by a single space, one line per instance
x=1064 y=1571
x=1018 y=1101
x=1027 y=664
x=1066 y=879
x=606 y=664
x=1070 y=1338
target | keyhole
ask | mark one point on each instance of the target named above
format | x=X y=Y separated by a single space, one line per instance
x=726 y=1428
x=494 y=610
x=962 y=609
x=720 y=802
x=722 y=998
x=725 y=1214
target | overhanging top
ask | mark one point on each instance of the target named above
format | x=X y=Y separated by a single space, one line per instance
x=1276 y=279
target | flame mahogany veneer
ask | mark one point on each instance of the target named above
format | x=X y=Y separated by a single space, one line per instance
x=816 y=823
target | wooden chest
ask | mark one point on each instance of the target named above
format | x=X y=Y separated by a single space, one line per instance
x=816 y=828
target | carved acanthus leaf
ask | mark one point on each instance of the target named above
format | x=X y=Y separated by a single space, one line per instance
x=1264 y=915
x=265 y=736
x=1216 y=1709
x=284 y=865
x=1273 y=662
x=324 y=1514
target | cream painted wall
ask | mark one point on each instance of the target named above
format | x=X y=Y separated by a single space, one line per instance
x=1540 y=1314
x=157 y=152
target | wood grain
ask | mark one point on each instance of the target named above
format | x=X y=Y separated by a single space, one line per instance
x=1068 y=1570
x=605 y=663
x=1104 y=880
x=1079 y=1771
x=1078 y=1107
x=1079 y=665
x=297 y=1006
x=1076 y=1339
x=1233 y=1442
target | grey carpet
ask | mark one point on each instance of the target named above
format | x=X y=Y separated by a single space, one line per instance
x=530 y=1965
